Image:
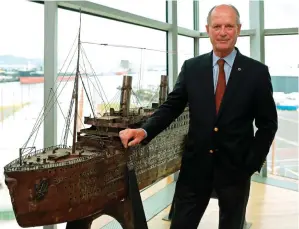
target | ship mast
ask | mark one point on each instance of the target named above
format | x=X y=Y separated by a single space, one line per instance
x=76 y=91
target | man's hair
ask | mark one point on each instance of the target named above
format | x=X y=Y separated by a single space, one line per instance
x=233 y=7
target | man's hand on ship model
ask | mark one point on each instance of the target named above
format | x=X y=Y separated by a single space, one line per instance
x=131 y=137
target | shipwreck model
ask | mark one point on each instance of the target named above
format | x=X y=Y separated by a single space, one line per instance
x=87 y=179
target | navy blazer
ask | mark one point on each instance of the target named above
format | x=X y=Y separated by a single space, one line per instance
x=226 y=138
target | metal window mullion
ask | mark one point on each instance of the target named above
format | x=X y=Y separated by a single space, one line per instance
x=112 y=13
x=50 y=74
x=257 y=42
x=50 y=71
x=172 y=43
x=172 y=49
x=281 y=31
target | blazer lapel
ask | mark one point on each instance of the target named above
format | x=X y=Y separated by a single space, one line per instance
x=233 y=82
x=207 y=80
x=202 y=86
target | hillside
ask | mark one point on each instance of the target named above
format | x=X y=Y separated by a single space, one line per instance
x=10 y=60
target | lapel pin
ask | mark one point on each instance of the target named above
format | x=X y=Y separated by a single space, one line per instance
x=239 y=69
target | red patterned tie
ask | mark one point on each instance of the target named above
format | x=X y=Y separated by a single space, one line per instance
x=221 y=84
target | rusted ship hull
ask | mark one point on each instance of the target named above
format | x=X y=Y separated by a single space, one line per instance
x=48 y=196
x=88 y=188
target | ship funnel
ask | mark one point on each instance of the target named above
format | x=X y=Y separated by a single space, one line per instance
x=126 y=95
x=163 y=89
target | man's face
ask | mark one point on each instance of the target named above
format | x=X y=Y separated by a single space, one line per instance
x=223 y=29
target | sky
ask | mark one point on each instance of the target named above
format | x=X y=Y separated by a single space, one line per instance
x=22 y=31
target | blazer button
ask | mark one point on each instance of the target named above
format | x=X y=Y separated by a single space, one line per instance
x=215 y=129
x=211 y=151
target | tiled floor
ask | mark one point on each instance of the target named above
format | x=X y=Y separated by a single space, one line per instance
x=269 y=208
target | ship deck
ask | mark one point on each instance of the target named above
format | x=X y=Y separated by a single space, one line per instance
x=48 y=157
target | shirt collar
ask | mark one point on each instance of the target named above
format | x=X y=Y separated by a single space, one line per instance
x=228 y=59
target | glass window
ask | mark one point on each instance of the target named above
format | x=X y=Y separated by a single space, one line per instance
x=206 y=5
x=21 y=54
x=284 y=69
x=281 y=14
x=185 y=50
x=185 y=13
x=243 y=44
x=106 y=57
x=289 y=60
x=145 y=8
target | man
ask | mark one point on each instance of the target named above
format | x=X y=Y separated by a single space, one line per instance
x=226 y=91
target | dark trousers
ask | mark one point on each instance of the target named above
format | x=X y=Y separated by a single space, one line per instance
x=192 y=197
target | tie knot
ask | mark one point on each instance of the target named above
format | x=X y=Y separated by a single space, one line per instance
x=221 y=62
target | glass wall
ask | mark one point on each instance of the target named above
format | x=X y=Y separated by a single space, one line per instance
x=144 y=8
x=111 y=49
x=185 y=13
x=185 y=50
x=21 y=59
x=283 y=159
x=281 y=14
x=105 y=58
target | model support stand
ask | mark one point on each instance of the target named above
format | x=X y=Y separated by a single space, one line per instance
x=137 y=209
x=168 y=217
x=128 y=212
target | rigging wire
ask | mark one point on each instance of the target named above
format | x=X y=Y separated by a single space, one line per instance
x=96 y=80
x=103 y=97
x=43 y=110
